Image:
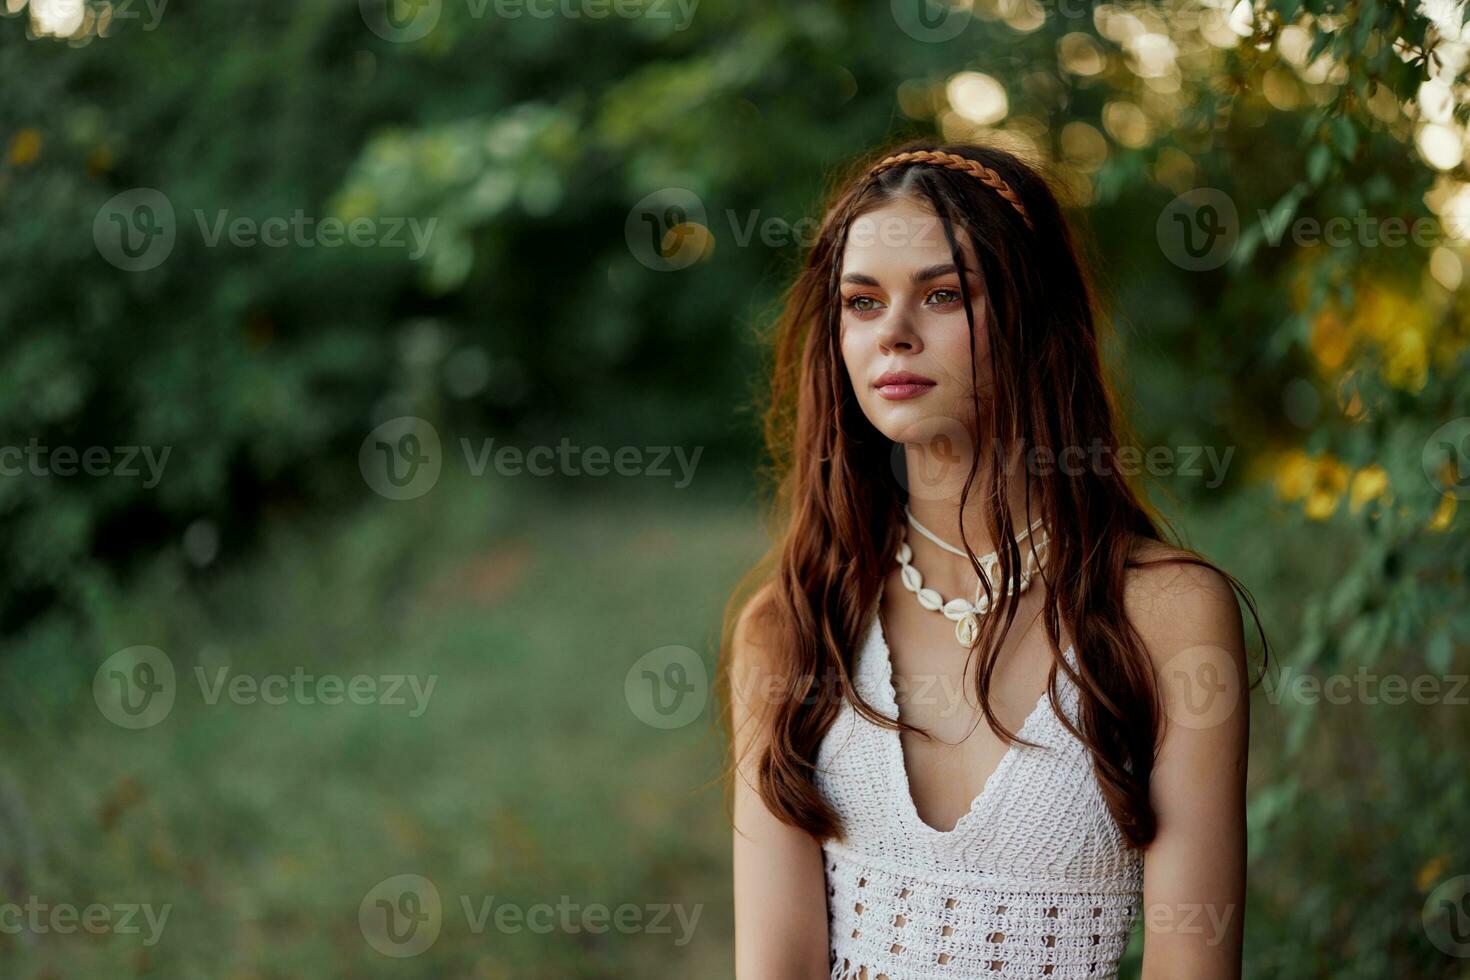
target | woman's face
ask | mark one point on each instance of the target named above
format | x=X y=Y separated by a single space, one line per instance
x=905 y=340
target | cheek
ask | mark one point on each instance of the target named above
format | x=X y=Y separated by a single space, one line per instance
x=949 y=345
x=854 y=354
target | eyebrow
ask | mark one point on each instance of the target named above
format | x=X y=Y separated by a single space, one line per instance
x=920 y=275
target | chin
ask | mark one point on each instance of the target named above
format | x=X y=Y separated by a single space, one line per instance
x=911 y=424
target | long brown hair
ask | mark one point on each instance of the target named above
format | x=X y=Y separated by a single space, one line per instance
x=838 y=503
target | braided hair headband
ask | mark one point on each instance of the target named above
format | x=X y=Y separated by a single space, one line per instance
x=954 y=161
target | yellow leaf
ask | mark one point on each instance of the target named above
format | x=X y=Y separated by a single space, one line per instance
x=1330 y=340
x=25 y=147
x=1444 y=514
x=1294 y=474
x=1369 y=483
x=1329 y=480
x=1430 y=873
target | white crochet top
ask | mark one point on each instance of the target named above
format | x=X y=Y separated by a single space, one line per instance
x=1035 y=880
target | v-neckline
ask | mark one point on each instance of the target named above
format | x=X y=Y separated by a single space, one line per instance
x=894 y=741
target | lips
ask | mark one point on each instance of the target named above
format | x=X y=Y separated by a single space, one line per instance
x=897 y=385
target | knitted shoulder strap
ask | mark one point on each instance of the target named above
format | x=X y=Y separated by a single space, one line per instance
x=954 y=161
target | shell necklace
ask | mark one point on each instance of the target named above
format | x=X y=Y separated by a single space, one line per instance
x=964 y=613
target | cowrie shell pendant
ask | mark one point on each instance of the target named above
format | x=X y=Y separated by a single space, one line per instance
x=965 y=614
x=967 y=630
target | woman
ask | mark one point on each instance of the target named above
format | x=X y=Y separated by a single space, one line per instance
x=984 y=720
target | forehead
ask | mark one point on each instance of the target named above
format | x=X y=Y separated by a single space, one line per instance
x=899 y=236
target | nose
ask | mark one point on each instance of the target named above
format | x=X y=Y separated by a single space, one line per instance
x=896 y=333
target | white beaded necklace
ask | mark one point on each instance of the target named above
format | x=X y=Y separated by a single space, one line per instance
x=964 y=613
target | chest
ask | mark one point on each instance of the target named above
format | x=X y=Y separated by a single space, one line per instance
x=1037 y=811
x=934 y=681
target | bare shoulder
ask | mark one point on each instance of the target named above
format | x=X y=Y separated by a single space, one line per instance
x=754 y=669
x=1190 y=623
x=1176 y=604
x=753 y=641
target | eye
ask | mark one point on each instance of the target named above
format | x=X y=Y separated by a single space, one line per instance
x=945 y=296
x=861 y=304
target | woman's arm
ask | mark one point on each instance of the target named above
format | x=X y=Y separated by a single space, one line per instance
x=780 y=890
x=1194 y=871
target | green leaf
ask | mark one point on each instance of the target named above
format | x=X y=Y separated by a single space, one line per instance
x=1298 y=728
x=1246 y=245
x=1355 y=639
x=1345 y=137
x=1439 y=652
x=1271 y=227
x=1320 y=41
x=1319 y=162
x=1367 y=19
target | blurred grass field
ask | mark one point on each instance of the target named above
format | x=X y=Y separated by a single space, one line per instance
x=527 y=778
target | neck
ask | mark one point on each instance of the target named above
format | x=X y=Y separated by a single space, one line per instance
x=936 y=483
